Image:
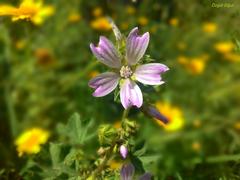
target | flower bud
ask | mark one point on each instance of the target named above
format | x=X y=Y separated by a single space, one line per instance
x=116 y=31
x=153 y=112
x=123 y=151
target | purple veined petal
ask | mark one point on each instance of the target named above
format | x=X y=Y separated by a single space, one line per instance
x=150 y=73
x=104 y=83
x=136 y=46
x=106 y=53
x=127 y=172
x=130 y=94
x=146 y=176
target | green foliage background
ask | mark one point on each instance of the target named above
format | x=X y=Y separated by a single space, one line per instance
x=46 y=93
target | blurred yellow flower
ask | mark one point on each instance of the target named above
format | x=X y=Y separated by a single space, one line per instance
x=114 y=165
x=20 y=44
x=209 y=27
x=194 y=65
x=237 y=125
x=124 y=26
x=117 y=124
x=143 y=21
x=153 y=29
x=101 y=24
x=197 y=123
x=196 y=146
x=34 y=10
x=233 y=57
x=44 y=57
x=182 y=60
x=181 y=46
x=173 y=114
x=130 y=10
x=174 y=21
x=93 y=74
x=97 y=11
x=74 y=17
x=29 y=141
x=224 y=47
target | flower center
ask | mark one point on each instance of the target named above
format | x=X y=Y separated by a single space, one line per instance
x=125 y=72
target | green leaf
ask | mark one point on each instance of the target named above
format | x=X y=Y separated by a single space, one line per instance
x=55 y=151
x=141 y=151
x=77 y=130
x=137 y=164
x=2 y=171
x=149 y=159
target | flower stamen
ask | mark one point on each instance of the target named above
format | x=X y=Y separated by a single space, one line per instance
x=125 y=72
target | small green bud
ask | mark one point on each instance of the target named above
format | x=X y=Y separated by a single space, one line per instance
x=107 y=134
x=101 y=151
x=115 y=149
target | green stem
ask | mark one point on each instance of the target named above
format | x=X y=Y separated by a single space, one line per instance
x=106 y=158
x=109 y=153
x=11 y=112
x=125 y=113
x=217 y=159
x=9 y=103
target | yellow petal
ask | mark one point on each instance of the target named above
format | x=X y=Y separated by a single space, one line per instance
x=42 y=14
x=6 y=10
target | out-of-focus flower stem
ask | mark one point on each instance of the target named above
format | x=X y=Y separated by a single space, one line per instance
x=125 y=114
x=11 y=112
x=9 y=103
x=217 y=159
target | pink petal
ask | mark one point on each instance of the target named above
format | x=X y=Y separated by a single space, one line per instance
x=130 y=94
x=150 y=73
x=106 y=53
x=104 y=83
x=136 y=46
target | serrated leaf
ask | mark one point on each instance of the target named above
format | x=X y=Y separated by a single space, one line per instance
x=75 y=127
x=77 y=130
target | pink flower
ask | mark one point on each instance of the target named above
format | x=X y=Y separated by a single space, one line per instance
x=126 y=69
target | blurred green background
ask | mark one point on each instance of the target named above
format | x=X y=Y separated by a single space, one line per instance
x=45 y=68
